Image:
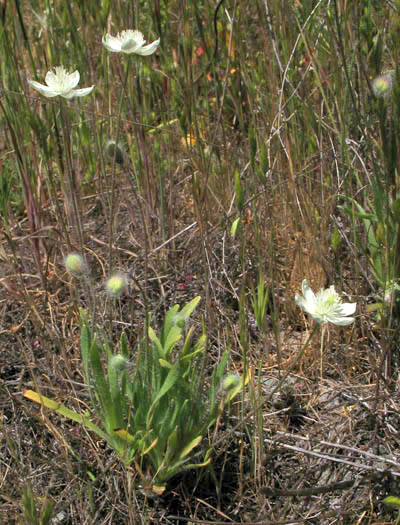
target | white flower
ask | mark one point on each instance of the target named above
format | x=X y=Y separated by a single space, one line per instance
x=61 y=83
x=128 y=42
x=326 y=306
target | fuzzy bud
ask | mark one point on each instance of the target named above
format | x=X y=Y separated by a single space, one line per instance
x=75 y=264
x=179 y=320
x=230 y=382
x=382 y=85
x=111 y=150
x=391 y=288
x=119 y=362
x=116 y=285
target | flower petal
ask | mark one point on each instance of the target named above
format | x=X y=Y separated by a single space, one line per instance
x=318 y=318
x=309 y=295
x=82 y=92
x=304 y=305
x=129 y=45
x=111 y=43
x=299 y=300
x=149 y=49
x=341 y=321
x=72 y=80
x=347 y=308
x=44 y=90
x=51 y=80
x=67 y=94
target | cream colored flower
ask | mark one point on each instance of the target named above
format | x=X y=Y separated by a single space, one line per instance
x=128 y=42
x=326 y=306
x=61 y=83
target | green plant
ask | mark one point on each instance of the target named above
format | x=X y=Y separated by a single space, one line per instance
x=379 y=209
x=259 y=301
x=394 y=503
x=31 y=515
x=154 y=408
x=380 y=217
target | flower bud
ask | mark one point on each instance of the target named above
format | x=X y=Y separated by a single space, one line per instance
x=230 y=382
x=75 y=264
x=111 y=150
x=119 y=362
x=382 y=85
x=179 y=320
x=391 y=288
x=116 y=285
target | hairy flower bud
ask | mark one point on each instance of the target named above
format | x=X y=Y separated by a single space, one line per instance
x=75 y=264
x=119 y=362
x=230 y=382
x=382 y=85
x=229 y=387
x=179 y=320
x=116 y=285
x=111 y=150
x=391 y=288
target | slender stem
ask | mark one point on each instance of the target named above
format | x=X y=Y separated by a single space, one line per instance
x=322 y=348
x=294 y=362
x=113 y=178
x=251 y=413
x=72 y=199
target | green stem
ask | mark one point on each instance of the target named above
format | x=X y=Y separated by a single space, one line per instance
x=113 y=178
x=322 y=347
x=72 y=199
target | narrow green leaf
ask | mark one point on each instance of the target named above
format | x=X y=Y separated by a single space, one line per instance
x=105 y=411
x=169 y=382
x=174 y=335
x=235 y=226
x=124 y=345
x=165 y=364
x=238 y=191
x=64 y=411
x=47 y=513
x=190 y=447
x=189 y=308
x=154 y=339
